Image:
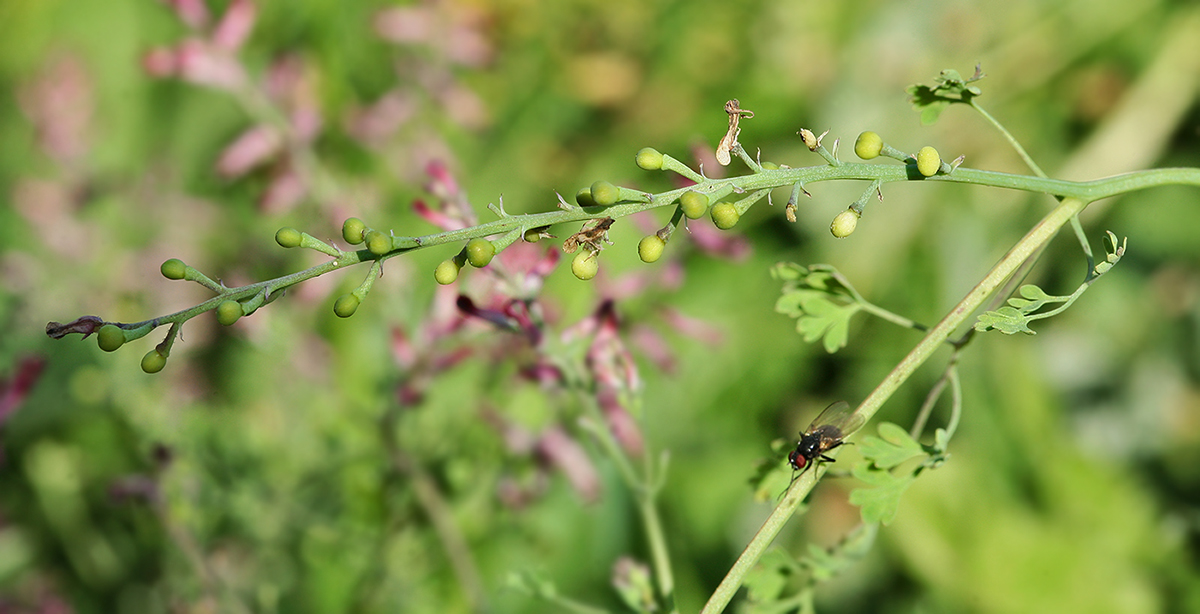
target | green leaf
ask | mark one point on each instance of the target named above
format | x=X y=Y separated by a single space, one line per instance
x=930 y=101
x=788 y=271
x=1007 y=320
x=892 y=447
x=825 y=563
x=766 y=581
x=881 y=501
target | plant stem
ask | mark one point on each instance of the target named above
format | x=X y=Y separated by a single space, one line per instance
x=1026 y=247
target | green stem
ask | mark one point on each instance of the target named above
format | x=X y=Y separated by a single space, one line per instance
x=1012 y=140
x=1028 y=245
x=1087 y=191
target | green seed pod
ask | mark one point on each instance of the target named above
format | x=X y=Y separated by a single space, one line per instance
x=929 y=162
x=288 y=237
x=585 y=265
x=174 y=269
x=346 y=305
x=532 y=235
x=650 y=248
x=584 y=197
x=480 y=252
x=228 y=312
x=769 y=166
x=694 y=204
x=605 y=193
x=110 y=338
x=648 y=158
x=446 y=272
x=153 y=362
x=868 y=146
x=725 y=215
x=352 y=230
x=844 y=224
x=378 y=243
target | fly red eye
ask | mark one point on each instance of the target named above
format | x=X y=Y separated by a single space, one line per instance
x=797 y=460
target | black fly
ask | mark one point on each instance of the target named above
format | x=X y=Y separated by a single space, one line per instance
x=824 y=434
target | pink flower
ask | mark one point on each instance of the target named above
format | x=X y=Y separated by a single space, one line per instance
x=235 y=25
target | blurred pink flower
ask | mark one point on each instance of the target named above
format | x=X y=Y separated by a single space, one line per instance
x=193 y=13
x=235 y=25
x=199 y=62
x=250 y=149
x=562 y=452
x=58 y=101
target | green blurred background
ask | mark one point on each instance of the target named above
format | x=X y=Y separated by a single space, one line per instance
x=1075 y=477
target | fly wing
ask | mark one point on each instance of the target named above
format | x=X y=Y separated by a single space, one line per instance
x=839 y=416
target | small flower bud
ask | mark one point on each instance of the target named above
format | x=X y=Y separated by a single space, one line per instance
x=346 y=305
x=649 y=159
x=929 y=161
x=288 y=237
x=446 y=272
x=153 y=362
x=725 y=215
x=174 y=269
x=228 y=312
x=352 y=230
x=585 y=265
x=844 y=224
x=110 y=338
x=868 y=146
x=480 y=252
x=605 y=194
x=693 y=204
x=650 y=248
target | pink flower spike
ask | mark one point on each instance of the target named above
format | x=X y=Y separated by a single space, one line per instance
x=286 y=190
x=193 y=13
x=235 y=25
x=407 y=25
x=693 y=328
x=653 y=346
x=442 y=183
x=201 y=64
x=566 y=455
x=161 y=62
x=403 y=351
x=718 y=243
x=624 y=428
x=252 y=148
x=437 y=218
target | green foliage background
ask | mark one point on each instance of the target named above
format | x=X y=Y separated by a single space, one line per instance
x=1075 y=478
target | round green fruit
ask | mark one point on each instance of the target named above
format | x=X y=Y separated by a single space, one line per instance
x=650 y=248
x=605 y=194
x=110 y=338
x=153 y=362
x=584 y=197
x=352 y=230
x=929 y=161
x=378 y=243
x=725 y=215
x=844 y=224
x=585 y=265
x=649 y=159
x=868 y=146
x=693 y=204
x=228 y=312
x=288 y=237
x=446 y=272
x=174 y=269
x=346 y=305
x=480 y=252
